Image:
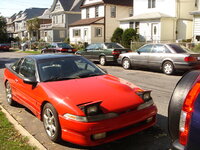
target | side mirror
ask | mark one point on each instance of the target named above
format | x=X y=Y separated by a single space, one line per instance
x=138 y=52
x=31 y=81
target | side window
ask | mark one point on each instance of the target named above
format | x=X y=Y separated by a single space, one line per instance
x=91 y=47
x=27 y=68
x=160 y=49
x=15 y=66
x=98 y=47
x=145 y=49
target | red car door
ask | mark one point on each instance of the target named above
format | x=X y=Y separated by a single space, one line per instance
x=27 y=93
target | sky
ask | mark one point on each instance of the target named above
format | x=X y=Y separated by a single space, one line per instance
x=9 y=7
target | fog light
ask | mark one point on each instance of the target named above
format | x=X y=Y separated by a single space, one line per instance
x=149 y=119
x=99 y=136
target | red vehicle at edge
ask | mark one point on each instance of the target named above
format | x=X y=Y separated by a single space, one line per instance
x=4 y=47
x=78 y=101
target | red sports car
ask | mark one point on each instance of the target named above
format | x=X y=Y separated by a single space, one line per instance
x=78 y=101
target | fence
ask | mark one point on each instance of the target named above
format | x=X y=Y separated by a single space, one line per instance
x=30 y=45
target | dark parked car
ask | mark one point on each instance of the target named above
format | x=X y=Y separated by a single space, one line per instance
x=103 y=52
x=184 y=113
x=59 y=48
x=4 y=47
x=167 y=57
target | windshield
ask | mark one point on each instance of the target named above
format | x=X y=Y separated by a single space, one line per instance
x=67 y=68
x=113 y=45
x=64 y=45
x=177 y=48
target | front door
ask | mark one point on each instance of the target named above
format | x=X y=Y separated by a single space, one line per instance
x=155 y=32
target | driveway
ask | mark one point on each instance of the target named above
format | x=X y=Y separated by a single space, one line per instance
x=155 y=138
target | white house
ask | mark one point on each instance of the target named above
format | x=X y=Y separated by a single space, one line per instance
x=99 y=19
x=161 y=20
x=196 y=23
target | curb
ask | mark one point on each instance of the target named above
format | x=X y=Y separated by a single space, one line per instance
x=31 y=140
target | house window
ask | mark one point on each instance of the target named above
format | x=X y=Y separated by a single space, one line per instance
x=76 y=33
x=87 y=13
x=113 y=11
x=151 y=3
x=137 y=27
x=62 y=18
x=130 y=12
x=62 y=34
x=131 y=24
x=57 y=6
x=97 y=11
x=196 y=3
x=45 y=34
x=98 y=32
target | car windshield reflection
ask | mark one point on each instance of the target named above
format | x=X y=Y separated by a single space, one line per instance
x=67 y=69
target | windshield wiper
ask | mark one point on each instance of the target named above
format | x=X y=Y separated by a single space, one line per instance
x=89 y=75
x=60 y=78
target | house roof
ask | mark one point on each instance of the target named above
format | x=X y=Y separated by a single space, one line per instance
x=113 y=2
x=68 y=5
x=86 y=21
x=45 y=15
x=30 y=13
x=195 y=13
x=147 y=16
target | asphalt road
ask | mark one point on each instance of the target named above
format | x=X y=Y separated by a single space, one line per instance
x=155 y=138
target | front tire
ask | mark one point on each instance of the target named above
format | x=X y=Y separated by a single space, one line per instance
x=126 y=63
x=51 y=122
x=168 y=68
x=9 y=95
x=102 y=60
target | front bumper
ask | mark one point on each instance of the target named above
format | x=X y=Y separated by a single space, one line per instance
x=125 y=124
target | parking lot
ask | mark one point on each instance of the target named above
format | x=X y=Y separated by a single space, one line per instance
x=155 y=138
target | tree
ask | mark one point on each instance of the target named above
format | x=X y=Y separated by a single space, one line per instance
x=3 y=31
x=128 y=36
x=117 y=35
x=33 y=26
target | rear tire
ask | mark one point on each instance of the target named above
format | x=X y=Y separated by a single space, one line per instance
x=126 y=63
x=168 y=68
x=51 y=122
x=102 y=60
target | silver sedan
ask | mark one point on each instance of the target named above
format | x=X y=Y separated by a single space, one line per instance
x=167 y=57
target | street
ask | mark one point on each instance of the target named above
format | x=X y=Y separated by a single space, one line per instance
x=155 y=138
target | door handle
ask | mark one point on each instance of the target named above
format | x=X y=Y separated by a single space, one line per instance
x=16 y=80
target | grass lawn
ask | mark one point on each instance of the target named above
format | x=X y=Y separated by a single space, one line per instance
x=10 y=139
x=31 y=52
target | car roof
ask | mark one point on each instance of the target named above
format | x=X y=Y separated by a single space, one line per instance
x=50 y=56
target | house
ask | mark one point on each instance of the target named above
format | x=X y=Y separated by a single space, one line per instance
x=39 y=21
x=161 y=20
x=22 y=17
x=99 y=19
x=63 y=13
x=196 y=22
x=10 y=26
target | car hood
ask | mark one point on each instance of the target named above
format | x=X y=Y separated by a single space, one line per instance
x=116 y=94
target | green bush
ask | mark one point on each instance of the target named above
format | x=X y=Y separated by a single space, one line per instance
x=128 y=36
x=196 y=48
x=117 y=35
x=67 y=40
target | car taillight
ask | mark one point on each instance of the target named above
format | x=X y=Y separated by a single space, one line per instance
x=74 y=50
x=188 y=59
x=186 y=114
x=115 y=52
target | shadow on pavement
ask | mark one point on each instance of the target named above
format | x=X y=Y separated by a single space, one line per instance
x=5 y=60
